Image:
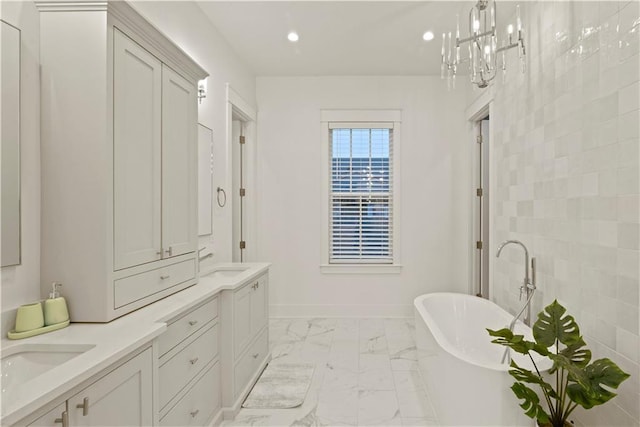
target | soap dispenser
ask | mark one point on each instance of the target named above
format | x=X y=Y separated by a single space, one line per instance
x=55 y=308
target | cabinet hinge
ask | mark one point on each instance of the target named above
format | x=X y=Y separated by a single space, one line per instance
x=243 y=244
x=243 y=192
x=479 y=244
x=479 y=139
x=242 y=140
x=479 y=192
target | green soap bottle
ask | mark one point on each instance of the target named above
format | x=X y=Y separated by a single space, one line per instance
x=55 y=307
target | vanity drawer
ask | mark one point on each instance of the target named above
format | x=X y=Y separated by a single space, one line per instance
x=186 y=325
x=139 y=286
x=249 y=362
x=199 y=404
x=176 y=372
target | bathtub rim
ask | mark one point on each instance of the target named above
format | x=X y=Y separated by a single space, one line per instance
x=542 y=362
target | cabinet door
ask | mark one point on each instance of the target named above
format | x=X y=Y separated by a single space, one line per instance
x=121 y=398
x=242 y=318
x=137 y=102
x=259 y=305
x=179 y=164
x=52 y=418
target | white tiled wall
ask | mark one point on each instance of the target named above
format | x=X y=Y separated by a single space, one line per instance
x=565 y=149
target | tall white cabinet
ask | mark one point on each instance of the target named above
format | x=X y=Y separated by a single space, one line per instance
x=119 y=158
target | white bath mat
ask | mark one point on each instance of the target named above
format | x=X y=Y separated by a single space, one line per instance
x=281 y=386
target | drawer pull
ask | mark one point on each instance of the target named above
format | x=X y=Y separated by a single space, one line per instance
x=165 y=277
x=64 y=420
x=255 y=356
x=84 y=406
x=192 y=322
x=194 y=413
x=193 y=361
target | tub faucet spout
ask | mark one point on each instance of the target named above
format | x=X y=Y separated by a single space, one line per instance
x=528 y=285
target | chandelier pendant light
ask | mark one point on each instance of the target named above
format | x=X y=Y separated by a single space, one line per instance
x=484 y=46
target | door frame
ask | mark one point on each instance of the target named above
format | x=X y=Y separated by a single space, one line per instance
x=240 y=109
x=479 y=109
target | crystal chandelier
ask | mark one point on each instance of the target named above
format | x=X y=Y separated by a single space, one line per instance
x=484 y=47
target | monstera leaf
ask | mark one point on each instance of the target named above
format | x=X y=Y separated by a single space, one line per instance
x=575 y=355
x=552 y=325
x=531 y=404
x=525 y=375
x=516 y=342
x=588 y=391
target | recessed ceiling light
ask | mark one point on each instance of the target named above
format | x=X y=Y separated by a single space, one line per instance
x=293 y=36
x=427 y=36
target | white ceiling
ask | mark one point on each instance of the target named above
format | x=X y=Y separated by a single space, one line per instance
x=339 y=37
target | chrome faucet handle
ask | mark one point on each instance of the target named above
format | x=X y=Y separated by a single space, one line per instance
x=533 y=273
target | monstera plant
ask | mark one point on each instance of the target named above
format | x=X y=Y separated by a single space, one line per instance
x=575 y=379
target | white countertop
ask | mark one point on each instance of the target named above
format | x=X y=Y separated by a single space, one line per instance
x=112 y=341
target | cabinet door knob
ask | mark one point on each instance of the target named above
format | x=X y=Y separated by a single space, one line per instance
x=64 y=420
x=165 y=277
x=84 y=406
x=193 y=361
x=192 y=322
x=169 y=251
x=255 y=356
x=194 y=413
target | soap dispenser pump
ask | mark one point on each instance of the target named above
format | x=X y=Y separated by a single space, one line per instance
x=55 y=307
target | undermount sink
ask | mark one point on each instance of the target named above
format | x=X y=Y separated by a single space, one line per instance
x=25 y=362
x=227 y=271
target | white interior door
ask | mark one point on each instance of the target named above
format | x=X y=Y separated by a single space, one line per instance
x=179 y=164
x=481 y=220
x=237 y=185
x=137 y=143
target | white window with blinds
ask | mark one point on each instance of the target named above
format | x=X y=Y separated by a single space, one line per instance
x=360 y=193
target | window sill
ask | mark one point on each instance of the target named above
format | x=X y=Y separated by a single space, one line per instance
x=360 y=269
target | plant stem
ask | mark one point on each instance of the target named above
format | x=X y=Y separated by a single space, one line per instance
x=563 y=383
x=544 y=392
x=570 y=409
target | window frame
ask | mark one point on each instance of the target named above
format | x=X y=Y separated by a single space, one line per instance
x=364 y=119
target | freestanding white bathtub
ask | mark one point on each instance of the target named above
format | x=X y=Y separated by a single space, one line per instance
x=461 y=367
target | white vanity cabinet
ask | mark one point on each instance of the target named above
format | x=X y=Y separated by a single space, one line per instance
x=245 y=339
x=122 y=397
x=189 y=368
x=119 y=158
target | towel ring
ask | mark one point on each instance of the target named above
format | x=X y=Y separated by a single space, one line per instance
x=224 y=202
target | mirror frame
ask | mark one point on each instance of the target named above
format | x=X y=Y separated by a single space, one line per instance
x=11 y=214
x=205 y=204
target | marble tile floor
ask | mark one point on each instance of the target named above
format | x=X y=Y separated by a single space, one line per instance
x=366 y=374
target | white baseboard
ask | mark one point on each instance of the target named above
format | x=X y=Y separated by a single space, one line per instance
x=341 y=311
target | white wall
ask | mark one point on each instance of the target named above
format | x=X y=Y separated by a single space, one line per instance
x=185 y=24
x=21 y=284
x=565 y=149
x=434 y=151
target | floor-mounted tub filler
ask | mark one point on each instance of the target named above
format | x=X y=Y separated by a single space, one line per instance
x=461 y=367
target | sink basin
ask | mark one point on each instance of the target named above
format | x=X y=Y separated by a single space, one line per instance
x=24 y=362
x=227 y=271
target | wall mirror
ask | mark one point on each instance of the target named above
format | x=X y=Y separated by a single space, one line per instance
x=205 y=180
x=10 y=144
